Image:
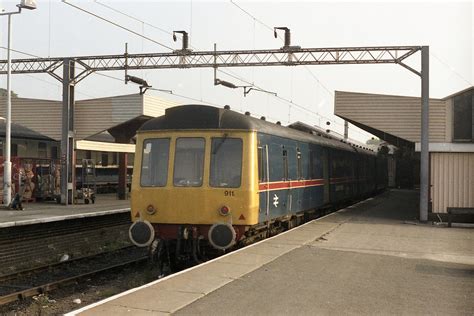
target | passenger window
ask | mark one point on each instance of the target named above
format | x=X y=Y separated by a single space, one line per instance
x=315 y=165
x=298 y=159
x=226 y=162
x=155 y=155
x=189 y=162
x=285 y=164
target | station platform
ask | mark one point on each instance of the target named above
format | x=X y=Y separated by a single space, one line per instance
x=44 y=212
x=370 y=258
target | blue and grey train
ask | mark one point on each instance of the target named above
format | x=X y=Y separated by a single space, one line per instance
x=212 y=177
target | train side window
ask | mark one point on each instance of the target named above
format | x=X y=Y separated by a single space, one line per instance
x=285 y=164
x=226 y=162
x=315 y=165
x=189 y=162
x=300 y=168
x=155 y=156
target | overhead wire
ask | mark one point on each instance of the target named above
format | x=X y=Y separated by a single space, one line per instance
x=49 y=82
x=279 y=36
x=116 y=24
x=451 y=68
x=132 y=17
x=147 y=38
x=306 y=67
x=176 y=94
x=229 y=73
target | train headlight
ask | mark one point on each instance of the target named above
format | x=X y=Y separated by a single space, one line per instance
x=150 y=209
x=224 y=211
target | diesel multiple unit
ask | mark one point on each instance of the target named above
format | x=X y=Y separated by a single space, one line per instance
x=205 y=176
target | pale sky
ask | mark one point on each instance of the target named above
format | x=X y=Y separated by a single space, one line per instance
x=57 y=29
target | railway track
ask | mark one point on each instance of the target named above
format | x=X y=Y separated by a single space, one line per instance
x=42 y=279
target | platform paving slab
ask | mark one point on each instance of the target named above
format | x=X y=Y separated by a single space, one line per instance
x=314 y=281
x=404 y=240
x=202 y=283
x=156 y=299
x=37 y=213
x=123 y=311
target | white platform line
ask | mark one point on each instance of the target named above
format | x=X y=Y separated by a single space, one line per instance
x=62 y=218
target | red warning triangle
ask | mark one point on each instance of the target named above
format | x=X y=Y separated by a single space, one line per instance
x=242 y=217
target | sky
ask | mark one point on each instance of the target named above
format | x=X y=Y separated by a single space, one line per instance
x=303 y=93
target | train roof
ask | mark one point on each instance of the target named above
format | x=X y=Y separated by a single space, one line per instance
x=196 y=116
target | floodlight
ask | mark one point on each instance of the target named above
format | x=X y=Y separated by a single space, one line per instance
x=27 y=4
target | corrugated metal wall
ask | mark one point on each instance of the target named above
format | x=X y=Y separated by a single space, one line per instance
x=452 y=180
x=397 y=115
x=43 y=116
x=96 y=115
x=91 y=116
x=155 y=106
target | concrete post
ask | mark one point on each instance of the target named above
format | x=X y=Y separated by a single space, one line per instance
x=122 y=183
x=67 y=138
x=424 y=159
x=7 y=165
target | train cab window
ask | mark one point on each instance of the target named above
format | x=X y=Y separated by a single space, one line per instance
x=155 y=157
x=189 y=162
x=226 y=162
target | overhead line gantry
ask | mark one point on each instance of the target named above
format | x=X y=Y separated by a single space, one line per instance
x=185 y=58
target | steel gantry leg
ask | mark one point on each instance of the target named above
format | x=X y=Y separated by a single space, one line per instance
x=67 y=137
x=425 y=156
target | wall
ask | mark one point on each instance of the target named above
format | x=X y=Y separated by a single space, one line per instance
x=452 y=180
x=43 y=116
x=96 y=115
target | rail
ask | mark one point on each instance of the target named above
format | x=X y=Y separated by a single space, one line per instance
x=46 y=278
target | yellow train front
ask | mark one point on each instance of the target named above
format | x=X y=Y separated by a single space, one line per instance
x=193 y=182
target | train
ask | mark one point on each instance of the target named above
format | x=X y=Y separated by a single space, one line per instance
x=207 y=180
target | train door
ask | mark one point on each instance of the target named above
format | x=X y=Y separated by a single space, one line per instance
x=264 y=178
x=290 y=166
x=325 y=164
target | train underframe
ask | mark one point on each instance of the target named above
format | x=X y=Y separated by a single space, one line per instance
x=177 y=246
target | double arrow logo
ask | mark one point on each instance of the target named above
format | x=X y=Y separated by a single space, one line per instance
x=275 y=200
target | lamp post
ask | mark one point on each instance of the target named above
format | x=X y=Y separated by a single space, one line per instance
x=7 y=165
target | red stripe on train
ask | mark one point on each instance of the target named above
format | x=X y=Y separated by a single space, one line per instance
x=281 y=185
x=290 y=184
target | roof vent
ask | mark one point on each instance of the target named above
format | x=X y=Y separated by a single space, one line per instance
x=226 y=107
x=263 y=118
x=278 y=123
x=328 y=131
x=247 y=113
